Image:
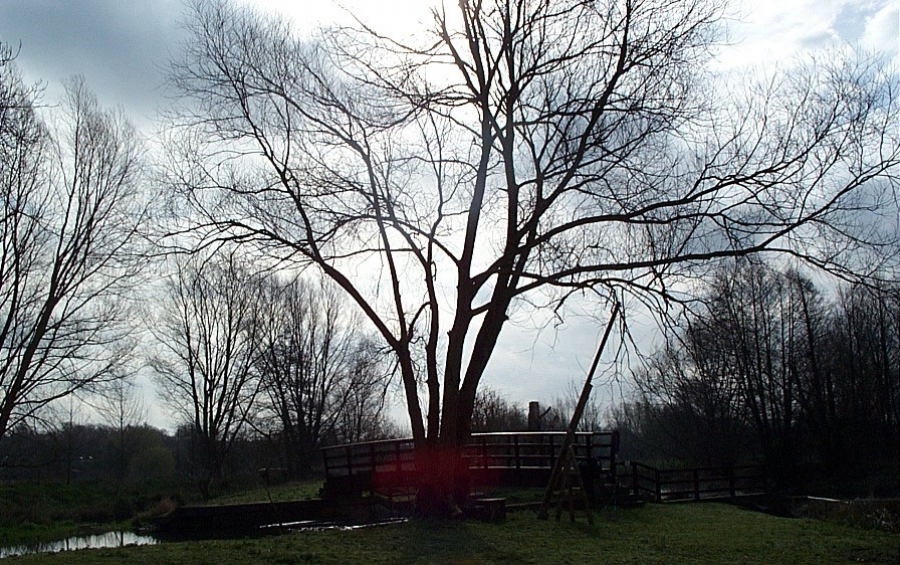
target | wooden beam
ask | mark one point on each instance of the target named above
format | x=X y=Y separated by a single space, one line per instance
x=556 y=474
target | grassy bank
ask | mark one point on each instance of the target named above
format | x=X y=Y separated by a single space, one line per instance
x=298 y=490
x=690 y=533
x=44 y=512
x=40 y=512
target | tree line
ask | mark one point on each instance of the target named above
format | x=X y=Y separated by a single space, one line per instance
x=770 y=367
x=236 y=352
x=279 y=355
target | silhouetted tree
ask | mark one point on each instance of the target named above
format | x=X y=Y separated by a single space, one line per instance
x=363 y=416
x=121 y=409
x=493 y=413
x=72 y=203
x=858 y=403
x=692 y=406
x=811 y=383
x=321 y=375
x=210 y=342
x=740 y=357
x=560 y=414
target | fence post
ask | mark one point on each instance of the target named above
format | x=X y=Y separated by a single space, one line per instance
x=658 y=485
x=516 y=450
x=765 y=479
x=397 y=466
x=731 y=490
x=696 y=484
x=634 y=479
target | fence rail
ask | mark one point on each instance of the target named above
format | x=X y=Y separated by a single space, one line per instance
x=698 y=483
x=359 y=466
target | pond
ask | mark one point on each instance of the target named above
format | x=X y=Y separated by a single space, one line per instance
x=109 y=539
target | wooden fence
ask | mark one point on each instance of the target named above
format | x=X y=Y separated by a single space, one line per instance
x=698 y=483
x=494 y=458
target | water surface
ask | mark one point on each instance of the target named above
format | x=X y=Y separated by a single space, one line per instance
x=109 y=539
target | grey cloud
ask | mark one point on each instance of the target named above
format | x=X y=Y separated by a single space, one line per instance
x=122 y=48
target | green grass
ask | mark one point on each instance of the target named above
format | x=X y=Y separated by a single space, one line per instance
x=656 y=534
x=28 y=533
x=46 y=502
x=33 y=513
x=49 y=511
x=302 y=490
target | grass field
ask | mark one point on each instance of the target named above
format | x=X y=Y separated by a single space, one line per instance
x=655 y=534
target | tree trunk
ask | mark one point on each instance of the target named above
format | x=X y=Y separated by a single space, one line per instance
x=444 y=481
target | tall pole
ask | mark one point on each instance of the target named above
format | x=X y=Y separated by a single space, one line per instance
x=555 y=475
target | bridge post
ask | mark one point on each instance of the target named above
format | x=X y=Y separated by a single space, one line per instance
x=516 y=451
x=534 y=416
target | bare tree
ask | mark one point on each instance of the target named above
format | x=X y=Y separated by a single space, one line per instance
x=564 y=406
x=363 y=416
x=809 y=383
x=741 y=356
x=72 y=206
x=524 y=151
x=856 y=399
x=209 y=342
x=121 y=409
x=493 y=413
x=692 y=395
x=120 y=405
x=318 y=368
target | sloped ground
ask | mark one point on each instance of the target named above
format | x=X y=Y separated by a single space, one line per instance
x=654 y=534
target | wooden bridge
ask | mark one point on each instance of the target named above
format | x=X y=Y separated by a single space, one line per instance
x=388 y=467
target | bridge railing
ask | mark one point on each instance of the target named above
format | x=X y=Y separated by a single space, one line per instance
x=697 y=483
x=538 y=450
x=357 y=465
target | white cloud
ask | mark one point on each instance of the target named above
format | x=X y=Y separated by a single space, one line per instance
x=882 y=30
x=398 y=18
x=769 y=32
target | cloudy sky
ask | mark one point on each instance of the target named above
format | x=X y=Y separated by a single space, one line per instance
x=122 y=47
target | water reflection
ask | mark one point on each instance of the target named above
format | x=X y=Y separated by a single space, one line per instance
x=121 y=539
x=109 y=539
x=322 y=525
